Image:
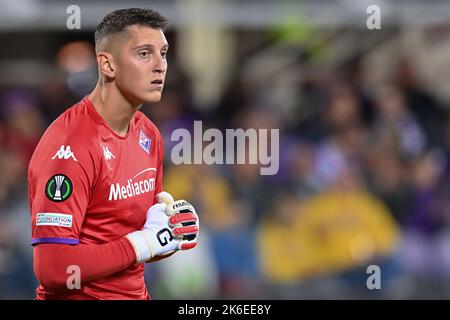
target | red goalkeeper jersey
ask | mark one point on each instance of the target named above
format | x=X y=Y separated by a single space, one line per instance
x=88 y=185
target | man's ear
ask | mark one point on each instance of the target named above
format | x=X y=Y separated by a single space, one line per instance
x=106 y=65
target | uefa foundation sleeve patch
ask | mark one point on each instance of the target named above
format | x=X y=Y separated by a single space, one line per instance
x=58 y=188
x=54 y=219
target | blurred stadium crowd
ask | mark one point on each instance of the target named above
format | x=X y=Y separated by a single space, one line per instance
x=364 y=178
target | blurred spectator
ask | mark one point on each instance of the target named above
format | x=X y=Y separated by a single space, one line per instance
x=395 y=119
x=340 y=229
x=425 y=107
x=23 y=123
x=428 y=212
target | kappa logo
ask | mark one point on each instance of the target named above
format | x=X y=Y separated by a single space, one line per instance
x=64 y=153
x=108 y=154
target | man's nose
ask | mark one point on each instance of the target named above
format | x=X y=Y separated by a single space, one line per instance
x=160 y=64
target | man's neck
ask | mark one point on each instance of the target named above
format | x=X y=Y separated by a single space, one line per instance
x=113 y=107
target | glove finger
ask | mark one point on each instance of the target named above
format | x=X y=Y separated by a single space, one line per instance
x=179 y=206
x=164 y=197
x=186 y=245
x=182 y=231
x=181 y=218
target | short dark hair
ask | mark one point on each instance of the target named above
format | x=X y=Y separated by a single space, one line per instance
x=119 y=20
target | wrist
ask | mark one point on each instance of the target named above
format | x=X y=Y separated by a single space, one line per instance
x=142 y=248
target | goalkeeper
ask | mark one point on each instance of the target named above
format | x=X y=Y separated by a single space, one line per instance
x=95 y=179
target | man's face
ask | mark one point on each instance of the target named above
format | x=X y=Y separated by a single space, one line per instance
x=141 y=64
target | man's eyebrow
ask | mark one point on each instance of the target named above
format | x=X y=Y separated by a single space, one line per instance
x=149 y=46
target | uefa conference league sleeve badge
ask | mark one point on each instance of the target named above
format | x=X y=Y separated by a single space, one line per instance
x=58 y=188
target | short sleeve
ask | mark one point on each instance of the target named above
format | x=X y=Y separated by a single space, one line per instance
x=60 y=181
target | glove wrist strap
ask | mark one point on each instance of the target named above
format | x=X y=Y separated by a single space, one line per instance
x=142 y=248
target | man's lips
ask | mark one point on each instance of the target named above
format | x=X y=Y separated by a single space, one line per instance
x=157 y=84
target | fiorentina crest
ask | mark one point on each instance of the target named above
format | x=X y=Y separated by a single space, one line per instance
x=145 y=142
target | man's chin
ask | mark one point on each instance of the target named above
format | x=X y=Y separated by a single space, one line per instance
x=152 y=97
